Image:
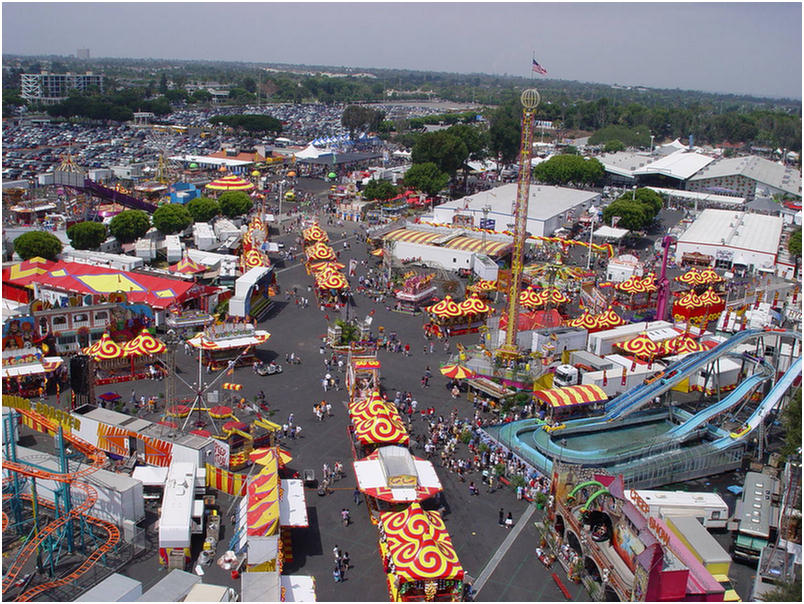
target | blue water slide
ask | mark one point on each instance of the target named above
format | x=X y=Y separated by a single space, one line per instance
x=633 y=400
x=735 y=396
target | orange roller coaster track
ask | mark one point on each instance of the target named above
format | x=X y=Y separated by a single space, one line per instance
x=79 y=511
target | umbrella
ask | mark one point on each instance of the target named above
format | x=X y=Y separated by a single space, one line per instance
x=110 y=396
x=457 y=372
x=332 y=175
x=230 y=183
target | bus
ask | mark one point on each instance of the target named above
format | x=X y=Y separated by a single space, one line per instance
x=757 y=516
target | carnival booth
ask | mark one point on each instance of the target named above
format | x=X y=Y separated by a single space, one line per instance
x=391 y=478
x=532 y=298
x=635 y=292
x=592 y=323
x=482 y=287
x=418 y=557
x=374 y=423
x=314 y=234
x=698 y=309
x=27 y=372
x=560 y=404
x=136 y=359
x=362 y=376
x=450 y=318
x=228 y=343
x=230 y=183
x=415 y=291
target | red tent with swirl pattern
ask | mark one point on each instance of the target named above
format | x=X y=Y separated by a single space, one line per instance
x=446 y=308
x=473 y=305
x=713 y=304
x=320 y=251
x=394 y=475
x=586 y=321
x=641 y=346
x=326 y=266
x=484 y=285
x=331 y=281
x=688 y=307
x=230 y=183
x=609 y=319
x=708 y=275
x=105 y=349
x=530 y=298
x=554 y=296
x=632 y=285
x=315 y=233
x=144 y=345
x=421 y=550
x=682 y=344
x=692 y=278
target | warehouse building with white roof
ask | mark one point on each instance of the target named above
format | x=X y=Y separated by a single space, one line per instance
x=548 y=208
x=747 y=177
x=734 y=240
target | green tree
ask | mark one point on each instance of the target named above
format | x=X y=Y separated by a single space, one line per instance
x=129 y=225
x=632 y=214
x=791 y=422
x=426 y=177
x=203 y=209
x=87 y=235
x=171 y=218
x=250 y=122
x=163 y=84
x=476 y=140
x=794 y=245
x=379 y=189
x=563 y=169
x=202 y=96
x=614 y=145
x=784 y=592
x=356 y=117
x=442 y=148
x=648 y=197
x=37 y=243
x=505 y=131
x=235 y=203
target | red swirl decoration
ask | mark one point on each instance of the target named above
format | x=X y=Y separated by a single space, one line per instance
x=332 y=281
x=445 y=308
x=530 y=298
x=144 y=345
x=553 y=296
x=691 y=277
x=474 y=306
x=320 y=251
x=419 y=545
x=315 y=233
x=107 y=349
x=383 y=429
x=641 y=346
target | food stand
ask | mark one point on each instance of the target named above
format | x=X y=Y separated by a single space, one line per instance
x=113 y=363
x=374 y=423
x=27 y=370
x=418 y=557
x=362 y=375
x=391 y=478
x=415 y=291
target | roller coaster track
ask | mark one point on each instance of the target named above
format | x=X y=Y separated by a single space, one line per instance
x=81 y=510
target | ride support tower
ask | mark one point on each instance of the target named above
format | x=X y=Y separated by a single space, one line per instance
x=530 y=99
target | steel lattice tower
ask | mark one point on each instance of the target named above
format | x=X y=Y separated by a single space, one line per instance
x=530 y=100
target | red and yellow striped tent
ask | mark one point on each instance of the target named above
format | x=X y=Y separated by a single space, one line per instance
x=571 y=395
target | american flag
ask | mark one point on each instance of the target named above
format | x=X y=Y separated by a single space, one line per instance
x=538 y=68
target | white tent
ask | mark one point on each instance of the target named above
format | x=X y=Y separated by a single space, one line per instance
x=311 y=152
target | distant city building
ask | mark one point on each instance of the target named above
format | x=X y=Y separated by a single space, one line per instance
x=82 y=53
x=51 y=88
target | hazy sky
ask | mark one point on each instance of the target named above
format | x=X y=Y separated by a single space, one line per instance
x=722 y=47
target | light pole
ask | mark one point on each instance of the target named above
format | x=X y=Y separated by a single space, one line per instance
x=593 y=214
x=652 y=136
x=282 y=184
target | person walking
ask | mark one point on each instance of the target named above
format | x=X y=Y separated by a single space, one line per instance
x=502 y=517
x=336 y=573
x=509 y=521
x=336 y=553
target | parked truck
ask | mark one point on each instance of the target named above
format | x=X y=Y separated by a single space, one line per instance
x=615 y=374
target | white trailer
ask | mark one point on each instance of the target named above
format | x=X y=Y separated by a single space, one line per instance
x=173 y=248
x=120 y=497
x=614 y=378
x=203 y=592
x=204 y=237
x=114 y=588
x=708 y=508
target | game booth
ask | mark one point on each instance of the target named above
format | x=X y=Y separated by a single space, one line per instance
x=137 y=359
x=362 y=376
x=375 y=422
x=416 y=291
x=26 y=371
x=418 y=557
x=569 y=402
x=448 y=318
x=599 y=322
x=693 y=308
x=635 y=292
x=391 y=478
x=228 y=343
x=536 y=298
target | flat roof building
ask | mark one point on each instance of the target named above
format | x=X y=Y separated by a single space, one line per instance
x=52 y=88
x=747 y=177
x=548 y=208
x=733 y=238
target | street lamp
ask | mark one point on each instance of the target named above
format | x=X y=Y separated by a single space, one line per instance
x=652 y=136
x=593 y=214
x=282 y=184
